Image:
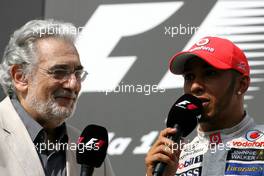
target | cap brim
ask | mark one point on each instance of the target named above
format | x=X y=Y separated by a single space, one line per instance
x=177 y=62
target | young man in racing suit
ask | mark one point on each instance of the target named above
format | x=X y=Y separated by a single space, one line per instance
x=228 y=142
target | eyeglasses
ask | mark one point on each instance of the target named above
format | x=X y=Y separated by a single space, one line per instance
x=65 y=74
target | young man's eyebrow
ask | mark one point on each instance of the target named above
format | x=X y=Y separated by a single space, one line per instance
x=186 y=69
x=205 y=66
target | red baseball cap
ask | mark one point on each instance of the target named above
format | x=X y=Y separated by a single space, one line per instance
x=217 y=52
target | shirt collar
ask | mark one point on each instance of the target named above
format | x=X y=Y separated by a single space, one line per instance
x=222 y=135
x=34 y=129
x=31 y=125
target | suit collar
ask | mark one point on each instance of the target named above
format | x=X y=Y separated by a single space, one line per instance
x=22 y=146
x=19 y=140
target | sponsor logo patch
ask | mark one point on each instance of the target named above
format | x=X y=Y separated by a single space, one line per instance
x=253 y=135
x=191 y=152
x=190 y=162
x=245 y=154
x=202 y=42
x=244 y=169
x=205 y=48
x=192 y=172
x=191 y=147
x=247 y=144
x=215 y=138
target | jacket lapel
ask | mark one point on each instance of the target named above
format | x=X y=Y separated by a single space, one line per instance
x=71 y=164
x=19 y=140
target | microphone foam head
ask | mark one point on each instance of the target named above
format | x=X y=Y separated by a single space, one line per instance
x=185 y=112
x=92 y=146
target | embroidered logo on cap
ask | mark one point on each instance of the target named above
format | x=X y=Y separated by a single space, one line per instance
x=202 y=42
x=242 y=66
x=200 y=46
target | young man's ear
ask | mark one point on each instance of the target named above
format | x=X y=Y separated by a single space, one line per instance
x=244 y=82
x=19 y=78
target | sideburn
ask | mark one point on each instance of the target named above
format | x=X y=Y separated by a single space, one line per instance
x=226 y=98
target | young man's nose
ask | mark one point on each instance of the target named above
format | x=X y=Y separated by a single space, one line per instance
x=197 y=87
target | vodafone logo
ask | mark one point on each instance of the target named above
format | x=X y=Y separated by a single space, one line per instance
x=253 y=135
x=215 y=138
x=202 y=42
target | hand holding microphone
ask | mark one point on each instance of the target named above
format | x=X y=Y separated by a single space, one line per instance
x=161 y=151
x=161 y=159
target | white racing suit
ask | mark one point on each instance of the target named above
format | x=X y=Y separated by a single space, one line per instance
x=235 y=151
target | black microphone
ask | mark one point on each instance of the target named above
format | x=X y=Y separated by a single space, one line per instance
x=92 y=148
x=184 y=116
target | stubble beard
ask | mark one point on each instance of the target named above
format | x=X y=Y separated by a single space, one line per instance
x=50 y=110
x=223 y=104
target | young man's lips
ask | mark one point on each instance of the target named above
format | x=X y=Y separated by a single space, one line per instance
x=205 y=101
x=205 y=104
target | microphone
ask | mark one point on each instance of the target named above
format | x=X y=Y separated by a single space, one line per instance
x=92 y=148
x=184 y=116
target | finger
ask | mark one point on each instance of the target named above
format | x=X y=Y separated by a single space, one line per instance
x=163 y=149
x=167 y=131
x=163 y=141
x=163 y=136
x=160 y=157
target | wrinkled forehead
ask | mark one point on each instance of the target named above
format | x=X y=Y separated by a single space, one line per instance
x=55 y=46
x=57 y=51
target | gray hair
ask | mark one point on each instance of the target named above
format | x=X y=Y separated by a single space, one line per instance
x=21 y=48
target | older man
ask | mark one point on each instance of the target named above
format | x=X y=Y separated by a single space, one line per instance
x=228 y=142
x=42 y=74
